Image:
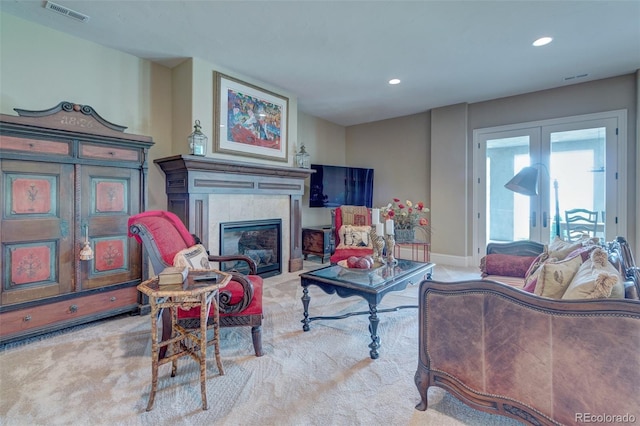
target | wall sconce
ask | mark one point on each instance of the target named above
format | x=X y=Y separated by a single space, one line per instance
x=303 y=158
x=197 y=141
x=86 y=253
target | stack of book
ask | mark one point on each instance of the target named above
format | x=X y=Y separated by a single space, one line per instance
x=173 y=275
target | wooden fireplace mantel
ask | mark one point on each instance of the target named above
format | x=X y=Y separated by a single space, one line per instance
x=190 y=179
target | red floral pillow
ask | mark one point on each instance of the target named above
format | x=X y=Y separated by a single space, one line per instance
x=507 y=265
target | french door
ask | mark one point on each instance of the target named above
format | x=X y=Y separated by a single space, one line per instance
x=579 y=166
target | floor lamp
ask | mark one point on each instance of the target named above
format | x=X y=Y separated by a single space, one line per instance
x=526 y=183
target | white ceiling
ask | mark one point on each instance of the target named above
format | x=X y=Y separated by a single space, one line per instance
x=337 y=56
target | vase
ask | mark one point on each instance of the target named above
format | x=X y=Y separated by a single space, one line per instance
x=405 y=235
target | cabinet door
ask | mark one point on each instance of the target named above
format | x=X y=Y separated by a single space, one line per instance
x=109 y=195
x=37 y=232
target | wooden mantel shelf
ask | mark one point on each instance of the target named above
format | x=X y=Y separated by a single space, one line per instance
x=194 y=162
x=191 y=180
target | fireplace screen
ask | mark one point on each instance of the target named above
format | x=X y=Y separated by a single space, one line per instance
x=258 y=239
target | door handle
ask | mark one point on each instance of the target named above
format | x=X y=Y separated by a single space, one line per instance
x=544 y=219
x=533 y=219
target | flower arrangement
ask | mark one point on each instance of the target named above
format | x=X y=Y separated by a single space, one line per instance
x=406 y=215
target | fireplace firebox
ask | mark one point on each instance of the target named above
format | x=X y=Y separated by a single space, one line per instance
x=258 y=239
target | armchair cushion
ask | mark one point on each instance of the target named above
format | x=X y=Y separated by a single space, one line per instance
x=194 y=257
x=166 y=230
x=354 y=237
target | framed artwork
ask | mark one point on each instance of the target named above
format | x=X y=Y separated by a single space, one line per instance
x=248 y=120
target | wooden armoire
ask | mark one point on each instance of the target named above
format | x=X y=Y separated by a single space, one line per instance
x=67 y=177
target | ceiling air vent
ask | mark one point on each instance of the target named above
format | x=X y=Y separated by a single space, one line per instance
x=66 y=11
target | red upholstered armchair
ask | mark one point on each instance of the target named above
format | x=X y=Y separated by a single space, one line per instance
x=164 y=235
x=357 y=216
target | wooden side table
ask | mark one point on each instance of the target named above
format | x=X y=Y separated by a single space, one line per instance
x=316 y=241
x=196 y=291
x=419 y=250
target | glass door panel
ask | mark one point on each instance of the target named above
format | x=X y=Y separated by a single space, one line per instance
x=509 y=216
x=578 y=162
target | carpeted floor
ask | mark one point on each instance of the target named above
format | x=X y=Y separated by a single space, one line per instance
x=100 y=374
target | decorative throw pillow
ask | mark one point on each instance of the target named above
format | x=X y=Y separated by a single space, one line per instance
x=560 y=248
x=584 y=252
x=355 y=215
x=194 y=257
x=531 y=276
x=354 y=237
x=531 y=285
x=507 y=265
x=596 y=278
x=554 y=277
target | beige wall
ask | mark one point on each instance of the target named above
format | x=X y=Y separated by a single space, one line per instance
x=399 y=150
x=450 y=203
x=325 y=143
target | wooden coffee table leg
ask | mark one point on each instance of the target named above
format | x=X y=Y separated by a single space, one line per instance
x=373 y=329
x=305 y=304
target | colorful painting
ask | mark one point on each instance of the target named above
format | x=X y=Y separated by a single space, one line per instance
x=249 y=120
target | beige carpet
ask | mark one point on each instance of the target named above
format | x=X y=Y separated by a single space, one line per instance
x=100 y=374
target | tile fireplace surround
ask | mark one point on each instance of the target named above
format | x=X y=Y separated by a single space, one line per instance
x=204 y=192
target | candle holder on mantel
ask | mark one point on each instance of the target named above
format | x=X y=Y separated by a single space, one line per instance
x=391 y=243
x=378 y=245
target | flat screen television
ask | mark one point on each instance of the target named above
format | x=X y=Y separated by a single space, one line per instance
x=334 y=186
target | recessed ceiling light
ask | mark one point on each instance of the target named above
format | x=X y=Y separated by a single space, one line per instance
x=542 y=41
x=394 y=81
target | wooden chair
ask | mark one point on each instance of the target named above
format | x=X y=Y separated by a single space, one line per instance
x=580 y=222
x=164 y=235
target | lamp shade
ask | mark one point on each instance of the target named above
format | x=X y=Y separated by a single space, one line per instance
x=525 y=182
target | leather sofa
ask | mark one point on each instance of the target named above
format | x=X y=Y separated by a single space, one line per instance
x=539 y=360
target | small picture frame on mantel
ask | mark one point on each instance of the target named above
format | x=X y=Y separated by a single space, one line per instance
x=248 y=120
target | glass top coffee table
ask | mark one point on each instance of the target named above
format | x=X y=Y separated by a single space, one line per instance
x=370 y=285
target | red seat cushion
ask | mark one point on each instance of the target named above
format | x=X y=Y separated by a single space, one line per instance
x=254 y=308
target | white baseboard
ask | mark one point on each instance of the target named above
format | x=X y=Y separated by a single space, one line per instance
x=447 y=259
